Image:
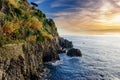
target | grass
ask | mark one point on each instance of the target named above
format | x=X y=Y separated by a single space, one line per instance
x=46 y=35
x=11 y=51
x=14 y=3
x=2 y=14
x=7 y=40
x=8 y=27
x=31 y=38
x=34 y=23
x=2 y=40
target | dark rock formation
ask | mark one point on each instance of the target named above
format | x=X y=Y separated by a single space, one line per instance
x=64 y=43
x=74 y=52
x=51 y=49
x=62 y=51
x=25 y=61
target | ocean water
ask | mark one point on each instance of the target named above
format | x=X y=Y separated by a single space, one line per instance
x=100 y=60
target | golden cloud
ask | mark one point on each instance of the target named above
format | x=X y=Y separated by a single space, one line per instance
x=105 y=18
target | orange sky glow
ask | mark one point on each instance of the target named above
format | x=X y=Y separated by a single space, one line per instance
x=101 y=20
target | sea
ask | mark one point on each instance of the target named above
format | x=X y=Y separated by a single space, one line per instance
x=100 y=59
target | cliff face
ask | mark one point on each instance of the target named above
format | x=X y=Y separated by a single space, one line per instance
x=27 y=40
x=25 y=61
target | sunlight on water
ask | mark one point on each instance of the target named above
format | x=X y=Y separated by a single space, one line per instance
x=100 y=60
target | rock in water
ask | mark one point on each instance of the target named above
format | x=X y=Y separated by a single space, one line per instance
x=74 y=52
x=64 y=43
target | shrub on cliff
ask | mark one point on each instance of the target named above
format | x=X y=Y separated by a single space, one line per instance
x=8 y=27
x=18 y=11
x=47 y=36
x=34 y=23
x=14 y=3
x=24 y=23
x=39 y=14
x=31 y=38
x=40 y=37
x=2 y=40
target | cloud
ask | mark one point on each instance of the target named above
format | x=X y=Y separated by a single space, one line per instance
x=61 y=3
x=75 y=3
x=86 y=15
x=39 y=1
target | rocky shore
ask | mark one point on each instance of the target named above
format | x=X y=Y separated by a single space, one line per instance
x=27 y=40
x=26 y=61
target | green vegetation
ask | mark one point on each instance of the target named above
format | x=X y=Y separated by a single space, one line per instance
x=18 y=11
x=2 y=40
x=23 y=23
x=6 y=40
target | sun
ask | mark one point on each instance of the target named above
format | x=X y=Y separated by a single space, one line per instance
x=115 y=19
x=106 y=16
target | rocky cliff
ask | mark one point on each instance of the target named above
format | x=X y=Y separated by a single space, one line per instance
x=25 y=61
x=27 y=40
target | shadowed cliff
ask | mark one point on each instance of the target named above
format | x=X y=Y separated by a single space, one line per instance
x=27 y=40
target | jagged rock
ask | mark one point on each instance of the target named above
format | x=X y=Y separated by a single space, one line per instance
x=74 y=52
x=62 y=51
x=25 y=61
x=64 y=43
x=51 y=51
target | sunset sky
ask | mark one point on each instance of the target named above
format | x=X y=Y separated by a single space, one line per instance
x=83 y=16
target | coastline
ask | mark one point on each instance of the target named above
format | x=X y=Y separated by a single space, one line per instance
x=27 y=40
